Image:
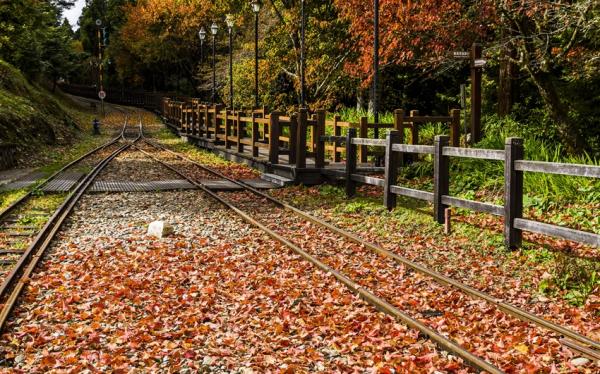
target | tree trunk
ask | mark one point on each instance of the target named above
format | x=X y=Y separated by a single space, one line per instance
x=506 y=84
x=360 y=99
x=568 y=132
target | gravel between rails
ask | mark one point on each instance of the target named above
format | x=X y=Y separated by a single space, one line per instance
x=183 y=166
x=134 y=166
x=478 y=326
x=215 y=296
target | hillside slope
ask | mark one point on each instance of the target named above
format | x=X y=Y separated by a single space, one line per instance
x=30 y=116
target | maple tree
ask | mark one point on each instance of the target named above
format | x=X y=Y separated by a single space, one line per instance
x=158 y=37
x=419 y=33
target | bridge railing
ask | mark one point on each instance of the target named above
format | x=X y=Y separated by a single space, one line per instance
x=514 y=168
x=296 y=135
x=257 y=132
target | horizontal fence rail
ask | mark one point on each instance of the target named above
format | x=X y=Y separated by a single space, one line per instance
x=514 y=167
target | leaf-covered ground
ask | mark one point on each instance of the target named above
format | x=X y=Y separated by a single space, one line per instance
x=217 y=296
x=473 y=254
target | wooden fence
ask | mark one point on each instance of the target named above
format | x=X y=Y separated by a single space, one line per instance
x=296 y=135
x=412 y=122
x=514 y=167
x=8 y=157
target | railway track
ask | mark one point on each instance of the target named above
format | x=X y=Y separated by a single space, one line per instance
x=21 y=260
x=348 y=257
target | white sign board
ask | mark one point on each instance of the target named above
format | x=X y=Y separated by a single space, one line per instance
x=102 y=95
x=461 y=55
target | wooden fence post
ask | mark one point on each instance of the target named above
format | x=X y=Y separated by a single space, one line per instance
x=441 y=177
x=337 y=131
x=216 y=124
x=455 y=127
x=301 y=139
x=293 y=139
x=195 y=117
x=254 y=135
x=350 y=162
x=206 y=122
x=313 y=134
x=241 y=132
x=227 y=128
x=274 y=138
x=319 y=130
x=513 y=192
x=415 y=128
x=364 y=133
x=391 y=168
x=399 y=126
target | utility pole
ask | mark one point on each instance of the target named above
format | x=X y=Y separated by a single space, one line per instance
x=101 y=93
x=376 y=65
x=302 y=57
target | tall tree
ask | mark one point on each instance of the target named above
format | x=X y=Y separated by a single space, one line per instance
x=555 y=41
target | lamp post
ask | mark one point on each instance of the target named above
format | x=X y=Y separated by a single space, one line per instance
x=302 y=57
x=213 y=30
x=100 y=67
x=256 y=9
x=230 y=23
x=376 y=65
x=202 y=36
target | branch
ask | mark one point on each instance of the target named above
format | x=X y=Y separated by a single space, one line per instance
x=335 y=67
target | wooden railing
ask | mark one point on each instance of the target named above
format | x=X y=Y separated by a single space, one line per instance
x=296 y=135
x=514 y=167
x=401 y=123
x=8 y=157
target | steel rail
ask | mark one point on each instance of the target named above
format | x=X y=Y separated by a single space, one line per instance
x=43 y=240
x=503 y=306
x=366 y=295
x=29 y=260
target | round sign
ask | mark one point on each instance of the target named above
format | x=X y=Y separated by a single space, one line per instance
x=102 y=95
x=98 y=22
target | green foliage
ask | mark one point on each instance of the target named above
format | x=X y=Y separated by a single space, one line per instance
x=578 y=278
x=486 y=178
x=33 y=39
x=30 y=116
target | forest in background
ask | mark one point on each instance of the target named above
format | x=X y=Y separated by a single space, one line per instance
x=541 y=80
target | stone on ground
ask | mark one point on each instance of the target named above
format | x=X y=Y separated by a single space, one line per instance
x=159 y=229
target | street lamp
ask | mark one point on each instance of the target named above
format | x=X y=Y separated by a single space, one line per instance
x=230 y=23
x=202 y=36
x=256 y=9
x=302 y=57
x=213 y=30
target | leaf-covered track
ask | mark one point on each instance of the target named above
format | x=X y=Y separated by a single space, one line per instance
x=577 y=342
x=15 y=280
